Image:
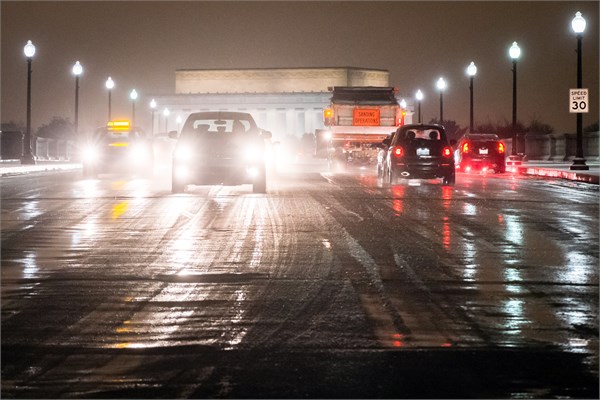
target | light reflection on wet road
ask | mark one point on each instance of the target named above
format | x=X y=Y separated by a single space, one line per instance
x=324 y=263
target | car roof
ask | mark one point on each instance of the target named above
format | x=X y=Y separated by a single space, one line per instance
x=221 y=114
x=482 y=136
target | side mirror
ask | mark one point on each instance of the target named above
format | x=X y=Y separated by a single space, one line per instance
x=173 y=134
x=265 y=134
x=387 y=141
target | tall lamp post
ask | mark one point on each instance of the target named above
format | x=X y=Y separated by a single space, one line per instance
x=441 y=85
x=578 y=25
x=77 y=71
x=471 y=71
x=152 y=109
x=133 y=96
x=514 y=52
x=166 y=113
x=27 y=156
x=419 y=97
x=110 y=84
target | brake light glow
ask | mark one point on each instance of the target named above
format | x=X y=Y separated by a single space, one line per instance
x=501 y=148
x=446 y=152
x=398 y=151
x=465 y=147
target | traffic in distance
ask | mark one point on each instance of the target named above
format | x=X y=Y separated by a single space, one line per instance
x=364 y=127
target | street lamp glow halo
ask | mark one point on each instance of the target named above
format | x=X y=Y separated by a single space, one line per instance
x=110 y=83
x=152 y=103
x=77 y=68
x=472 y=69
x=441 y=84
x=419 y=95
x=578 y=23
x=29 y=49
x=133 y=95
x=515 y=51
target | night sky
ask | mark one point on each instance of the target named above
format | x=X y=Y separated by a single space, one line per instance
x=141 y=44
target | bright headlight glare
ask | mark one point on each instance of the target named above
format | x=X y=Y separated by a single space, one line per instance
x=252 y=172
x=251 y=154
x=183 y=154
x=182 y=172
x=90 y=153
x=138 y=153
x=327 y=135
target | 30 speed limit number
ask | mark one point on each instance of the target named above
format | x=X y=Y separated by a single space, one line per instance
x=578 y=100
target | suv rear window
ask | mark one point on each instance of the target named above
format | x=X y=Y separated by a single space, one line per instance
x=217 y=126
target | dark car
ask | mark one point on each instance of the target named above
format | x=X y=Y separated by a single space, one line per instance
x=480 y=152
x=418 y=152
x=219 y=147
x=118 y=148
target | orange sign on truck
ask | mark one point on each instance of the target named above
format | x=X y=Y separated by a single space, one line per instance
x=365 y=117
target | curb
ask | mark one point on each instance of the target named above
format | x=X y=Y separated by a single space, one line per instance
x=555 y=173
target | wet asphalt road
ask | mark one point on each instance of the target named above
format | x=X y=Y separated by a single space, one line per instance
x=329 y=286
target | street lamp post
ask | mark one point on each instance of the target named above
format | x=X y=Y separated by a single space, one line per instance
x=77 y=71
x=441 y=85
x=166 y=113
x=27 y=156
x=152 y=109
x=403 y=106
x=578 y=25
x=514 y=53
x=133 y=96
x=419 y=97
x=110 y=84
x=471 y=71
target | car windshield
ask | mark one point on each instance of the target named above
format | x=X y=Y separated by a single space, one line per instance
x=217 y=126
x=117 y=135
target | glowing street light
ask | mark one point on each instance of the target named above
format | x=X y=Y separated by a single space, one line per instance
x=152 y=109
x=133 y=96
x=419 y=97
x=27 y=156
x=578 y=25
x=471 y=71
x=514 y=52
x=110 y=84
x=441 y=85
x=77 y=71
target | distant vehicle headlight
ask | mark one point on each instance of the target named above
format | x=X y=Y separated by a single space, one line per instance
x=183 y=154
x=252 y=154
x=90 y=154
x=138 y=154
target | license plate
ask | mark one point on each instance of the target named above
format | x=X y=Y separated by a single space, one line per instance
x=483 y=151
x=422 y=151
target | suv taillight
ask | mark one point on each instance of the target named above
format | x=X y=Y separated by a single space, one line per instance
x=500 y=148
x=446 y=151
x=398 y=151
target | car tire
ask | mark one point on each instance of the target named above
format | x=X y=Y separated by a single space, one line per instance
x=177 y=186
x=449 y=179
x=260 y=186
x=89 y=172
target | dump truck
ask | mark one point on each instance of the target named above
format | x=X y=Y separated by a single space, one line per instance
x=356 y=122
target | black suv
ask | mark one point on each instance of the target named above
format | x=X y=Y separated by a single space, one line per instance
x=480 y=152
x=220 y=147
x=420 y=152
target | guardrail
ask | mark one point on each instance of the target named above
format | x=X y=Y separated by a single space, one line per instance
x=11 y=147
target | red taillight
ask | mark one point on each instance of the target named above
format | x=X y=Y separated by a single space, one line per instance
x=398 y=151
x=447 y=152
x=465 y=147
x=501 y=148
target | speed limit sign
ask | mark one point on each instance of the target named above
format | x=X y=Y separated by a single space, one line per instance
x=578 y=101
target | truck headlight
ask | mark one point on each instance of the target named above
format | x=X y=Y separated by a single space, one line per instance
x=90 y=154
x=183 y=154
